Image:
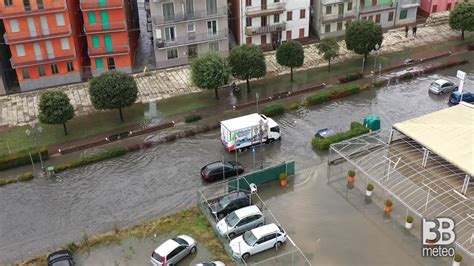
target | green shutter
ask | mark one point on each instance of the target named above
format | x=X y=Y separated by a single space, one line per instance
x=108 y=43
x=99 y=63
x=92 y=18
x=95 y=41
x=104 y=17
x=403 y=13
x=102 y=3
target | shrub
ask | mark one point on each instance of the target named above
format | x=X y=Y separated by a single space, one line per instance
x=273 y=110
x=92 y=159
x=408 y=76
x=189 y=133
x=338 y=92
x=3 y=182
x=357 y=129
x=170 y=137
x=351 y=173
x=351 y=77
x=192 y=118
x=410 y=219
x=147 y=144
x=294 y=106
x=318 y=98
x=72 y=247
x=388 y=203
x=283 y=176
x=366 y=86
x=22 y=158
x=370 y=187
x=25 y=177
x=11 y=181
x=215 y=125
x=133 y=147
x=457 y=257
x=378 y=83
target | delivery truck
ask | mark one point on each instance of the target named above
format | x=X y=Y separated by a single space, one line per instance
x=245 y=131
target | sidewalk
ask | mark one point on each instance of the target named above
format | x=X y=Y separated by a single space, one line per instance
x=20 y=109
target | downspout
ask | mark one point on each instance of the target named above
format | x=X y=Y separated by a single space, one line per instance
x=240 y=17
x=396 y=14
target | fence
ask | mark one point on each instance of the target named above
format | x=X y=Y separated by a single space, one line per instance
x=262 y=176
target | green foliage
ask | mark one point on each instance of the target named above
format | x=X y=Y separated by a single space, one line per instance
x=357 y=129
x=11 y=181
x=462 y=17
x=388 y=203
x=329 y=48
x=192 y=118
x=408 y=76
x=283 y=176
x=351 y=77
x=210 y=72
x=273 y=110
x=378 y=83
x=72 y=247
x=410 y=219
x=294 y=106
x=25 y=177
x=351 y=173
x=457 y=257
x=55 y=108
x=290 y=54
x=22 y=158
x=370 y=187
x=326 y=95
x=91 y=159
x=3 y=182
x=113 y=90
x=362 y=36
x=246 y=62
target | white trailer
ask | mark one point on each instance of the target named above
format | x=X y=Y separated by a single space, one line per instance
x=242 y=132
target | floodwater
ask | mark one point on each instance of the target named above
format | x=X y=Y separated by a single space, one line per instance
x=47 y=213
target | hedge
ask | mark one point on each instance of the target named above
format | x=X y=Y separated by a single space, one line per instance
x=25 y=177
x=273 y=110
x=192 y=118
x=339 y=92
x=351 y=77
x=22 y=158
x=357 y=129
x=91 y=159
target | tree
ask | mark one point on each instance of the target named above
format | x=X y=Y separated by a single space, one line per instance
x=329 y=48
x=210 y=71
x=247 y=62
x=362 y=36
x=462 y=18
x=55 y=109
x=290 y=54
x=112 y=90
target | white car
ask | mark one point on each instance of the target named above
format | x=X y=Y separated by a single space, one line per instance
x=441 y=86
x=211 y=263
x=173 y=250
x=240 y=221
x=257 y=240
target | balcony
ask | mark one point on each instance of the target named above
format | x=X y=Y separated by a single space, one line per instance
x=101 y=51
x=147 y=5
x=267 y=10
x=197 y=14
x=21 y=37
x=45 y=58
x=250 y=31
x=368 y=9
x=409 y=3
x=190 y=39
x=87 y=5
x=105 y=27
x=338 y=17
x=20 y=10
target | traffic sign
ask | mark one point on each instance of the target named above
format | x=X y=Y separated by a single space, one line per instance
x=461 y=74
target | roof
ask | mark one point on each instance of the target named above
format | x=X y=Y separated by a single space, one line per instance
x=449 y=133
x=264 y=230
x=242 y=212
x=243 y=121
x=165 y=248
x=441 y=81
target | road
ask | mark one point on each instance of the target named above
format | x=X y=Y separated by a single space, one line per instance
x=46 y=213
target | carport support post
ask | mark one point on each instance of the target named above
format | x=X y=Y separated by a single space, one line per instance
x=465 y=185
x=427 y=198
x=391 y=136
x=329 y=163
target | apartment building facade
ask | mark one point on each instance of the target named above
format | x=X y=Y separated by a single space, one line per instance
x=112 y=30
x=43 y=36
x=268 y=23
x=183 y=29
x=432 y=6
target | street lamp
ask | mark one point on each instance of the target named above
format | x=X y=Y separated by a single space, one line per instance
x=376 y=48
x=35 y=133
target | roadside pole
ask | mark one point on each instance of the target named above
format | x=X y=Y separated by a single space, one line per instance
x=257 y=96
x=461 y=75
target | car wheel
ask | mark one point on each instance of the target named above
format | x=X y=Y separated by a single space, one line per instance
x=193 y=250
x=246 y=256
x=232 y=235
x=277 y=245
x=220 y=216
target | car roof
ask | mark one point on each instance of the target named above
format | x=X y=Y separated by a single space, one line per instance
x=246 y=211
x=441 y=81
x=236 y=194
x=216 y=164
x=166 y=248
x=264 y=230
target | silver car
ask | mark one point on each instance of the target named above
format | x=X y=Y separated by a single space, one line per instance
x=441 y=86
x=173 y=250
x=240 y=221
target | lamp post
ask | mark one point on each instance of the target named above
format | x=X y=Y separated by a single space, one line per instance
x=35 y=133
x=376 y=48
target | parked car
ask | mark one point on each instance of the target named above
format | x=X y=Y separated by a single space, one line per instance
x=211 y=263
x=442 y=86
x=240 y=221
x=60 y=258
x=229 y=203
x=218 y=170
x=257 y=240
x=455 y=97
x=173 y=250
x=324 y=133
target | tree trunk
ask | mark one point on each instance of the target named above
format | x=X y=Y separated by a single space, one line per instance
x=121 y=115
x=291 y=69
x=248 y=86
x=365 y=60
x=65 y=128
x=462 y=35
x=217 y=95
x=329 y=65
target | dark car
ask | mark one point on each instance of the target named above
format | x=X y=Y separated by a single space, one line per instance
x=455 y=97
x=220 y=170
x=324 y=133
x=60 y=258
x=229 y=203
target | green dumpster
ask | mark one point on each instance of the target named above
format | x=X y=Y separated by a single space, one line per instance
x=372 y=122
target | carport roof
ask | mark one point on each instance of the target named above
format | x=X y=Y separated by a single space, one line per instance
x=449 y=133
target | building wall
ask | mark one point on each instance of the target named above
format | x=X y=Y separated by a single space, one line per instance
x=321 y=18
x=426 y=6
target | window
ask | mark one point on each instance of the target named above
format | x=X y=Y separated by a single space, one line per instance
x=214 y=46
x=20 y=50
x=302 y=13
x=212 y=27
x=276 y=18
x=390 y=16
x=448 y=7
x=289 y=15
x=95 y=41
x=374 y=2
x=248 y=2
x=403 y=13
x=377 y=18
x=172 y=53
x=434 y=9
x=263 y=4
x=108 y=43
x=170 y=34
x=371 y=17
x=54 y=69
x=263 y=21
x=301 y=33
x=339 y=26
x=364 y=18
x=263 y=39
x=25 y=73
x=99 y=63
x=328 y=10
x=211 y=6
x=248 y=22
x=168 y=11
x=27 y=5
x=340 y=9
x=189 y=7
x=91 y=17
x=65 y=44
x=14 y=25
x=248 y=40
x=41 y=71
x=288 y=35
x=40 y=4
x=349 y=6
x=327 y=28
x=60 y=19
x=192 y=51
x=190 y=27
x=70 y=66
x=8 y=2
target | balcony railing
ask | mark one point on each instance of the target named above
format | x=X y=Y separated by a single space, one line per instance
x=27 y=36
x=105 y=27
x=19 y=9
x=255 y=11
x=367 y=9
x=108 y=51
x=409 y=3
x=249 y=31
x=100 y=4
x=197 y=14
x=45 y=58
x=190 y=39
x=336 y=17
x=331 y=2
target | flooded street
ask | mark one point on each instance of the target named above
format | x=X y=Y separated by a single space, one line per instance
x=47 y=213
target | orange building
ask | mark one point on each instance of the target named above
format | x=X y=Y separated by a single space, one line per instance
x=112 y=30
x=44 y=39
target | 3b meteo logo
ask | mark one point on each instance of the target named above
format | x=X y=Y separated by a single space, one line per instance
x=438 y=234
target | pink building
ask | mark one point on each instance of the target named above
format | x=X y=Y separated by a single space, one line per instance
x=432 y=6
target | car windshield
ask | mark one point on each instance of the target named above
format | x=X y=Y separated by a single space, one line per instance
x=434 y=84
x=180 y=241
x=231 y=219
x=224 y=201
x=249 y=238
x=157 y=257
